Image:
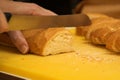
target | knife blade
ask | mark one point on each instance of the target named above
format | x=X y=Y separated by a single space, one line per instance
x=23 y=22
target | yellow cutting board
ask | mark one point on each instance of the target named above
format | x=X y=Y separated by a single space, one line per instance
x=89 y=62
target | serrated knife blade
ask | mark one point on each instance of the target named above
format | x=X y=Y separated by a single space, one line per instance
x=23 y=22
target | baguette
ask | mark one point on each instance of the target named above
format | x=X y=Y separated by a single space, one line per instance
x=45 y=41
x=104 y=31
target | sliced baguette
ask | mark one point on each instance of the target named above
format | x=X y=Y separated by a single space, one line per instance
x=95 y=18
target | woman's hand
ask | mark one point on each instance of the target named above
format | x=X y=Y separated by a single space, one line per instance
x=19 y=8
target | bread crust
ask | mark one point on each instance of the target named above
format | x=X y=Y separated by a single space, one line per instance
x=95 y=19
x=104 y=30
x=113 y=41
x=99 y=34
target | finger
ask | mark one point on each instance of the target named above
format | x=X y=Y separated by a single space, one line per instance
x=25 y=8
x=3 y=23
x=19 y=41
x=33 y=9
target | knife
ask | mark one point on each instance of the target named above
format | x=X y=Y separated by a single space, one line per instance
x=23 y=22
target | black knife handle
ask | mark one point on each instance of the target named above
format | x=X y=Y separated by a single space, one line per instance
x=8 y=16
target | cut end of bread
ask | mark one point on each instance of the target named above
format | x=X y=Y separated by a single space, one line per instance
x=61 y=42
x=51 y=41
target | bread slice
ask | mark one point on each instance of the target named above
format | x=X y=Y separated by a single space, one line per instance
x=98 y=34
x=47 y=41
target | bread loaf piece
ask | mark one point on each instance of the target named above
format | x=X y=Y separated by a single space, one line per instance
x=104 y=31
x=46 y=41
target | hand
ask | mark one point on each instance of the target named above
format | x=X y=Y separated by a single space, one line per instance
x=19 y=8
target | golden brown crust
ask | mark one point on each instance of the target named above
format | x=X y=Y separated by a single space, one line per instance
x=112 y=41
x=96 y=24
x=82 y=30
x=98 y=35
x=96 y=18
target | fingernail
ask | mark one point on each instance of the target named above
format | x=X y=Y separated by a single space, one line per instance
x=24 y=49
